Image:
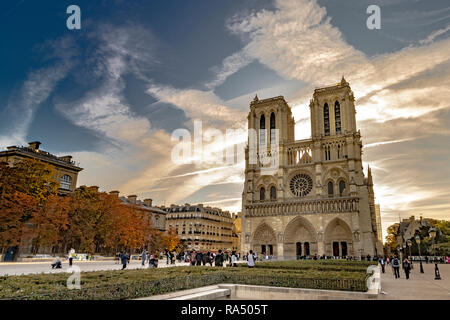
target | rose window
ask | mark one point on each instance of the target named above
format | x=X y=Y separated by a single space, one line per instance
x=301 y=185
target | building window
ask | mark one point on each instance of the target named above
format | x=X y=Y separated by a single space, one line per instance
x=327 y=153
x=326 y=119
x=337 y=116
x=272 y=128
x=262 y=130
x=341 y=187
x=330 y=189
x=66 y=182
x=262 y=194
x=273 y=193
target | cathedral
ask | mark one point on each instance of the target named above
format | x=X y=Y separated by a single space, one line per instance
x=317 y=200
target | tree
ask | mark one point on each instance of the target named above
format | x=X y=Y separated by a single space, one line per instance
x=391 y=238
x=16 y=209
x=51 y=223
x=170 y=240
x=24 y=188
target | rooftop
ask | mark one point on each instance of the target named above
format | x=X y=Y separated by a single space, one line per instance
x=34 y=151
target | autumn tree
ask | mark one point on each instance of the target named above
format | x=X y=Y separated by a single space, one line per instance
x=170 y=240
x=24 y=188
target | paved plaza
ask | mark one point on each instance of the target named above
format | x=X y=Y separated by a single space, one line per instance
x=20 y=268
x=420 y=286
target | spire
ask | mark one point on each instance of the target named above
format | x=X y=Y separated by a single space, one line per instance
x=369 y=176
x=256 y=98
x=343 y=80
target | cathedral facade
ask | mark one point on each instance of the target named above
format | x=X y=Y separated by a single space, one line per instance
x=317 y=200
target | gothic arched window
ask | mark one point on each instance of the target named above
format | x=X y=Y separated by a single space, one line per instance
x=262 y=194
x=341 y=187
x=273 y=193
x=330 y=188
x=262 y=130
x=272 y=127
x=337 y=117
x=326 y=119
x=65 y=182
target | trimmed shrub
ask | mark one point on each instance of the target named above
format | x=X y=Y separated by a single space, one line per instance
x=130 y=284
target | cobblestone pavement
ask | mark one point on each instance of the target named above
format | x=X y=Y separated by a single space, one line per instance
x=420 y=286
x=20 y=268
x=44 y=267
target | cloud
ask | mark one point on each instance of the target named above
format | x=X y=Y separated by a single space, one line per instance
x=197 y=104
x=434 y=35
x=298 y=41
x=19 y=113
x=230 y=65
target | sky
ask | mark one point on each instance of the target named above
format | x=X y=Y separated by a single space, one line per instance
x=116 y=93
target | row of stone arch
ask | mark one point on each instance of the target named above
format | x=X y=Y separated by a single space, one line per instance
x=337 y=238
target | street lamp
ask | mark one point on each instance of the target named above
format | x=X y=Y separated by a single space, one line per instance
x=420 y=256
x=433 y=232
x=409 y=242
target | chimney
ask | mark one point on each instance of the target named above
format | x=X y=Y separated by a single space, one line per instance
x=34 y=145
x=114 y=193
x=148 y=202
x=132 y=199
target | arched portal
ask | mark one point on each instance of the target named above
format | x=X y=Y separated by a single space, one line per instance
x=264 y=240
x=300 y=239
x=338 y=239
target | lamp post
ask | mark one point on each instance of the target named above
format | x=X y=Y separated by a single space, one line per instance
x=408 y=242
x=404 y=251
x=433 y=232
x=420 y=256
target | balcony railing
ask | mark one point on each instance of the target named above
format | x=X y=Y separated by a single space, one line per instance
x=299 y=152
x=327 y=205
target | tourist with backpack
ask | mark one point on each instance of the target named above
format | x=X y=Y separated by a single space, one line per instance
x=396 y=265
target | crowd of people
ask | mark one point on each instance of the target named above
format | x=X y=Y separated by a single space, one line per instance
x=193 y=257
x=230 y=258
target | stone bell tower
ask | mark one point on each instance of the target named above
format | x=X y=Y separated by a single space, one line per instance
x=317 y=201
x=333 y=111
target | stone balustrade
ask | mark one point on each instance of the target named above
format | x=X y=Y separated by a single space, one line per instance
x=326 y=205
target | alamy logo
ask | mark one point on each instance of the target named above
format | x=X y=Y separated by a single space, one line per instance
x=74 y=281
x=374 y=20
x=74 y=20
x=374 y=281
x=212 y=146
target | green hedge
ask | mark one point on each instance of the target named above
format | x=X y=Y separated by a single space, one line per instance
x=130 y=284
x=358 y=266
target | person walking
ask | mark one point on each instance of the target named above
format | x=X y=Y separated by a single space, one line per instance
x=396 y=266
x=199 y=258
x=233 y=259
x=251 y=259
x=210 y=259
x=406 y=267
x=71 y=256
x=218 y=260
x=144 y=257
x=205 y=258
x=124 y=258
x=193 y=254
x=382 y=263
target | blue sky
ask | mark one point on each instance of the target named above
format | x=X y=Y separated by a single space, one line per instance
x=112 y=93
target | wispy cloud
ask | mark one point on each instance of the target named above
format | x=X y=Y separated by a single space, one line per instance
x=19 y=113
